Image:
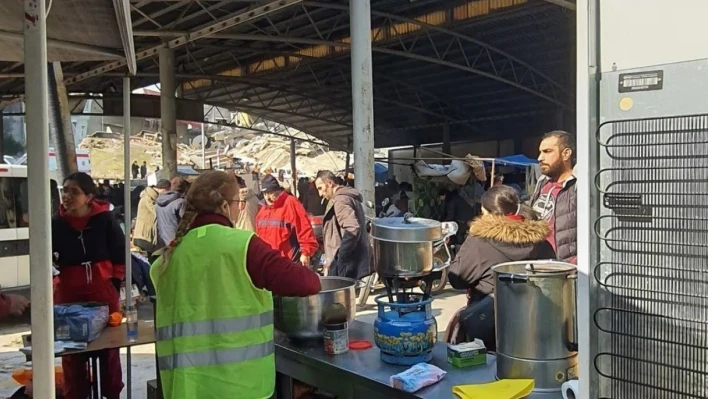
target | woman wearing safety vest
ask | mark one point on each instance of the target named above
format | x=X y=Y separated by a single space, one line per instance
x=214 y=324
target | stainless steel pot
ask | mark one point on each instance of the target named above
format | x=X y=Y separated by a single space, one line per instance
x=403 y=246
x=536 y=326
x=305 y=318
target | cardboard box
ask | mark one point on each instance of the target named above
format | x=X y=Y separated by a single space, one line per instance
x=467 y=354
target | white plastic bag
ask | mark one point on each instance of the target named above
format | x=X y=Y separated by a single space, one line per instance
x=417 y=377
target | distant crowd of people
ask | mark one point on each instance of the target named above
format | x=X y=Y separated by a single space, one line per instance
x=219 y=253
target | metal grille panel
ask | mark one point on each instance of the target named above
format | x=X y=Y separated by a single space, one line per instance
x=652 y=315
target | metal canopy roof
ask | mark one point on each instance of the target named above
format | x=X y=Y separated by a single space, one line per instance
x=488 y=68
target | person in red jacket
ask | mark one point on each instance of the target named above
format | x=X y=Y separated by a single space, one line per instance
x=283 y=223
x=89 y=250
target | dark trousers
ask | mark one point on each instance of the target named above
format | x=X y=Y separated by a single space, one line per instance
x=478 y=321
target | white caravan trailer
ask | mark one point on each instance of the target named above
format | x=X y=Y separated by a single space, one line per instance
x=14 y=218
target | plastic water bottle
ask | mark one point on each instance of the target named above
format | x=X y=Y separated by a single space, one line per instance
x=131 y=315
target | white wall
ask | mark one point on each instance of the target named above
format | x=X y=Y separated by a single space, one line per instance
x=640 y=33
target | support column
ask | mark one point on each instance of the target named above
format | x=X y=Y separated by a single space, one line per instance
x=40 y=235
x=2 y=136
x=61 y=128
x=446 y=146
x=347 y=160
x=127 y=216
x=203 y=146
x=362 y=99
x=168 y=112
x=293 y=167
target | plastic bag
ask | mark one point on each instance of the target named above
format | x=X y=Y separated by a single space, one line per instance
x=79 y=322
x=417 y=377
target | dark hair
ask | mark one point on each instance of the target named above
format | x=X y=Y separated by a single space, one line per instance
x=327 y=175
x=504 y=200
x=163 y=184
x=180 y=185
x=241 y=182
x=84 y=181
x=565 y=140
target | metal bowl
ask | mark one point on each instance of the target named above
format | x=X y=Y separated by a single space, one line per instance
x=305 y=318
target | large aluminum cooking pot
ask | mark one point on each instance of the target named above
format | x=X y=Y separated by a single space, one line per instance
x=535 y=312
x=305 y=318
x=403 y=246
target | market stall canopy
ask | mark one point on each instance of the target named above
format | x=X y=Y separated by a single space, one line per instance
x=77 y=30
x=518 y=160
x=290 y=63
x=380 y=172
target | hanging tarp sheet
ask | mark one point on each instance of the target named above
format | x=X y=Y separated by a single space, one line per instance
x=380 y=172
x=519 y=160
x=459 y=171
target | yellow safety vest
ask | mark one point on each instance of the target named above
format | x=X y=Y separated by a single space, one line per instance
x=214 y=328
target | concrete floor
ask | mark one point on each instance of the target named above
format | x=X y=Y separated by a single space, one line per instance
x=143 y=364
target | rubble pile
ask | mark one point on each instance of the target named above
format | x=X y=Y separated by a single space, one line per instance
x=260 y=152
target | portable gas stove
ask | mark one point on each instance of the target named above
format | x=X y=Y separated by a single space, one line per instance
x=405 y=330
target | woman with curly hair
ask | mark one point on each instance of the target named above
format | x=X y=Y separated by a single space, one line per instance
x=214 y=324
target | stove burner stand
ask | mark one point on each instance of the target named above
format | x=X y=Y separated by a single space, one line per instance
x=401 y=286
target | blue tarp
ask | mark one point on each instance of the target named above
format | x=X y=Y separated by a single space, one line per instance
x=518 y=160
x=380 y=172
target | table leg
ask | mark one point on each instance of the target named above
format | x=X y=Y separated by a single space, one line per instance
x=283 y=386
x=96 y=377
x=129 y=373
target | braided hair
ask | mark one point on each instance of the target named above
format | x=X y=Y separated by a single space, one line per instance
x=205 y=195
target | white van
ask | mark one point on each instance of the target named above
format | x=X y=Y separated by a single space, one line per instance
x=14 y=218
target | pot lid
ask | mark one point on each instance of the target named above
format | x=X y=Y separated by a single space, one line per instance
x=536 y=268
x=402 y=229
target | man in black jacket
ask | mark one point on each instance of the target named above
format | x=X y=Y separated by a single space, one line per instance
x=555 y=196
x=456 y=209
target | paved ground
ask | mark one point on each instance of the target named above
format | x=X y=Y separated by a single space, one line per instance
x=143 y=367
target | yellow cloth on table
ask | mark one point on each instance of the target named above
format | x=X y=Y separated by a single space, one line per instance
x=503 y=389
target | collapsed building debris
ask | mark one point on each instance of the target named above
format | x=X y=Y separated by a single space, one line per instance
x=226 y=149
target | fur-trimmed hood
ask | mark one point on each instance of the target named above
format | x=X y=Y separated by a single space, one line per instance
x=493 y=240
x=510 y=231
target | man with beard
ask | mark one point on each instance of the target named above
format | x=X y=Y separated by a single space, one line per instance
x=555 y=197
x=346 y=242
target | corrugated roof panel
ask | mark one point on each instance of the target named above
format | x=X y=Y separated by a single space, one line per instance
x=434 y=18
x=402 y=29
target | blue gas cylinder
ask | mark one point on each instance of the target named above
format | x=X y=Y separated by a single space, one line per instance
x=405 y=332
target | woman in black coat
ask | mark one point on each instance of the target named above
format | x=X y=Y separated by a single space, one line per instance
x=507 y=231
